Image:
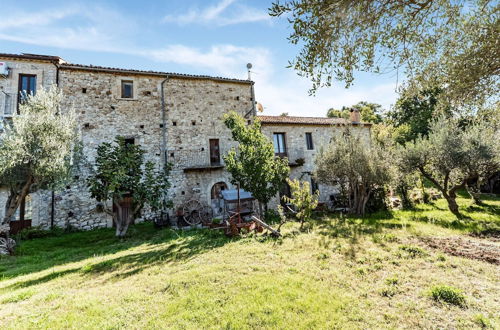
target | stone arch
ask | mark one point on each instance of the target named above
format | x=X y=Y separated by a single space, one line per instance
x=214 y=200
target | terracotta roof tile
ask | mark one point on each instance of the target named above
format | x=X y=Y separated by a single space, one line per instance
x=154 y=73
x=292 y=120
x=69 y=66
x=27 y=56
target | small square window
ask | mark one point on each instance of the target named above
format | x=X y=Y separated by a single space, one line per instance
x=129 y=141
x=174 y=123
x=127 y=89
x=84 y=90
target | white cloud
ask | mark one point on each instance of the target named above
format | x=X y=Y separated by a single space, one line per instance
x=223 y=13
x=26 y=19
x=104 y=30
x=292 y=97
x=227 y=60
x=97 y=28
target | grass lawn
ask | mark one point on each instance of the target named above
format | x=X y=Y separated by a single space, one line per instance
x=376 y=272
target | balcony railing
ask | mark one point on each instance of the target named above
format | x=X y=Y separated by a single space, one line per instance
x=193 y=160
x=295 y=156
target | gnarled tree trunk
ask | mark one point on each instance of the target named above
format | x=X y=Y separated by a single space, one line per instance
x=473 y=190
x=16 y=195
x=450 y=195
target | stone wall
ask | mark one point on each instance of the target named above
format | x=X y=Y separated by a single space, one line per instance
x=194 y=108
x=46 y=73
x=295 y=140
x=45 y=76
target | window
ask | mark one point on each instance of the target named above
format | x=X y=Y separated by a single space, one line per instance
x=279 y=144
x=214 y=152
x=127 y=89
x=309 y=141
x=27 y=86
x=314 y=186
x=129 y=141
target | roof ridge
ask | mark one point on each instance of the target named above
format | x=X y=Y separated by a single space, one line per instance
x=152 y=72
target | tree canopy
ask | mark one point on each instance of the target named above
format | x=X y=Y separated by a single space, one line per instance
x=254 y=165
x=36 y=149
x=449 y=44
x=370 y=112
x=120 y=172
x=452 y=155
x=413 y=114
x=354 y=164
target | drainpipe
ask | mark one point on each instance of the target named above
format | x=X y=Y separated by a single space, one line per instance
x=164 y=124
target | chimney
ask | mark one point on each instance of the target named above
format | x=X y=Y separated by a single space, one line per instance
x=355 y=116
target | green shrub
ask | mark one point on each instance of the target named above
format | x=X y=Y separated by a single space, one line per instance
x=448 y=294
x=37 y=232
x=271 y=216
x=413 y=251
x=388 y=292
x=392 y=281
x=377 y=201
x=441 y=257
x=482 y=321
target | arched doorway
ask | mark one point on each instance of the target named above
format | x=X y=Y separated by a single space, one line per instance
x=215 y=197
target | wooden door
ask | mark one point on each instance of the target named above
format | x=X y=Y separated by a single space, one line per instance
x=214 y=152
x=24 y=220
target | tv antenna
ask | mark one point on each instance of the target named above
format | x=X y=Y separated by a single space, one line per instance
x=249 y=66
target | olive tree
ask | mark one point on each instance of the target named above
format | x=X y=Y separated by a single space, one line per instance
x=356 y=164
x=451 y=155
x=36 y=148
x=302 y=199
x=120 y=172
x=452 y=44
x=253 y=165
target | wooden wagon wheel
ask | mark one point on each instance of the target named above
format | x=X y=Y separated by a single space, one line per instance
x=192 y=212
x=207 y=214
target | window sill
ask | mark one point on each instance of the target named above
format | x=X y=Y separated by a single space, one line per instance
x=127 y=99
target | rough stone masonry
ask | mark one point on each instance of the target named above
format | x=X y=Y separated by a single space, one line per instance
x=113 y=102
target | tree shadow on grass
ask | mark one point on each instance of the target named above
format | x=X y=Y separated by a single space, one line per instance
x=40 y=254
x=181 y=250
x=184 y=247
x=463 y=224
x=355 y=228
x=467 y=221
x=351 y=227
x=39 y=280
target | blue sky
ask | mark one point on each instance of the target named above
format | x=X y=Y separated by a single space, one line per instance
x=213 y=37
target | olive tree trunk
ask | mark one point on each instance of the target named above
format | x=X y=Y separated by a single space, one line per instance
x=473 y=191
x=16 y=196
x=449 y=194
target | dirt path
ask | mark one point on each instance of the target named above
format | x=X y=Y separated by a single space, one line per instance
x=485 y=250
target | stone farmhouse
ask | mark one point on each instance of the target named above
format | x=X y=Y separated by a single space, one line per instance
x=175 y=117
